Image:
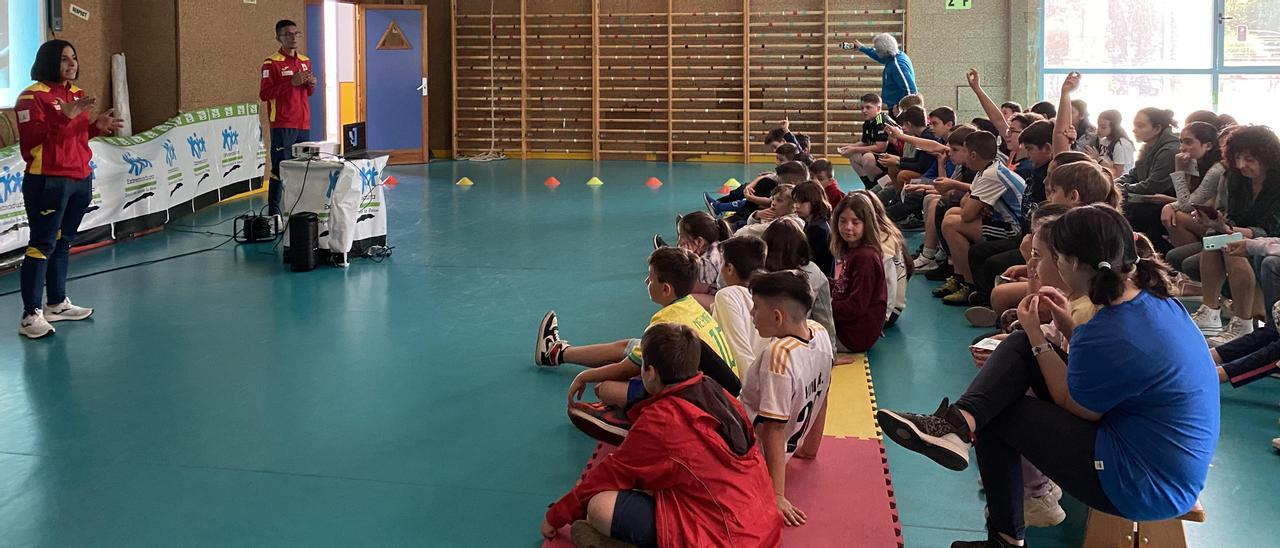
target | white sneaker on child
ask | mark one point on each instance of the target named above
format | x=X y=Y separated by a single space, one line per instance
x=1209 y=320
x=64 y=311
x=1042 y=511
x=925 y=264
x=1236 y=328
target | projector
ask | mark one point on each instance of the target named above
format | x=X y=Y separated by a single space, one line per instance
x=311 y=150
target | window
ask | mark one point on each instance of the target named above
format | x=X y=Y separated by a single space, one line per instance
x=21 y=33
x=1184 y=55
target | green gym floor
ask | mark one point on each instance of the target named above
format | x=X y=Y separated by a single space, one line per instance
x=219 y=399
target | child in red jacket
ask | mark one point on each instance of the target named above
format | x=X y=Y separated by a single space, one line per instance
x=689 y=473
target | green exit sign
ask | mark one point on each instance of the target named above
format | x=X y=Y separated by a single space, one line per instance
x=959 y=4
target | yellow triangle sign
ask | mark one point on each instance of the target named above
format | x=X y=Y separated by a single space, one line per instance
x=394 y=38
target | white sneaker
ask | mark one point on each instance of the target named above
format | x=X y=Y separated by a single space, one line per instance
x=66 y=311
x=1276 y=444
x=1055 y=492
x=925 y=264
x=1236 y=328
x=1042 y=511
x=35 y=326
x=1209 y=320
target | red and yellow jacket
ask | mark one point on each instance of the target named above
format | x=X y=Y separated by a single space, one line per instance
x=52 y=144
x=692 y=447
x=288 y=106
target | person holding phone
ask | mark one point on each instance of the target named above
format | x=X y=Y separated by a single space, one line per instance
x=55 y=123
x=899 y=77
x=287 y=85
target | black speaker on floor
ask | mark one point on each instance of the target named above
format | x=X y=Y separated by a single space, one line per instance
x=304 y=241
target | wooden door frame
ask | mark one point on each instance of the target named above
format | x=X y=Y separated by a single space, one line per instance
x=399 y=156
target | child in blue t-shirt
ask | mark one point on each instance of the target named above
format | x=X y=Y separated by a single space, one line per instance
x=1127 y=424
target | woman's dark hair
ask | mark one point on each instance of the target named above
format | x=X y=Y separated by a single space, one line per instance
x=1100 y=237
x=1084 y=126
x=812 y=193
x=1046 y=109
x=1159 y=117
x=1256 y=141
x=48 y=64
x=746 y=255
x=1205 y=133
x=700 y=224
x=1206 y=116
x=1118 y=133
x=788 y=249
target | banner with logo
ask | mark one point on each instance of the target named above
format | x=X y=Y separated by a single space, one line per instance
x=191 y=154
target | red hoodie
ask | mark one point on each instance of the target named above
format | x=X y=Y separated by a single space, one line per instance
x=692 y=447
x=52 y=144
x=859 y=298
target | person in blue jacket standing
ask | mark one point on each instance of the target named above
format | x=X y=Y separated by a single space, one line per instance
x=899 y=79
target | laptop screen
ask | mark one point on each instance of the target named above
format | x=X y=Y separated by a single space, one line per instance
x=353 y=138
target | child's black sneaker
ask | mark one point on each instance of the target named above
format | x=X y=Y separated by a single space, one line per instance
x=549 y=350
x=943 y=436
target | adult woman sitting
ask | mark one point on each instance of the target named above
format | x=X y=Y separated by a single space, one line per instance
x=1127 y=424
x=1252 y=209
x=1149 y=185
x=899 y=77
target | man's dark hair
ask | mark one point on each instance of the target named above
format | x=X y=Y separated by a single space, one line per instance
x=791 y=172
x=673 y=350
x=745 y=253
x=675 y=266
x=1038 y=134
x=982 y=144
x=946 y=114
x=1015 y=107
x=822 y=165
x=48 y=64
x=959 y=134
x=914 y=116
x=871 y=98
x=281 y=24
x=788 y=285
x=1045 y=108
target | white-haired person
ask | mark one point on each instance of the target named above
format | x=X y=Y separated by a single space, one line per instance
x=899 y=79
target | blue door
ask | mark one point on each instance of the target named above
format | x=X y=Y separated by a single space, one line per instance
x=395 y=80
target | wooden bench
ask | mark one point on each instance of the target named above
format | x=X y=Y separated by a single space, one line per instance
x=1103 y=530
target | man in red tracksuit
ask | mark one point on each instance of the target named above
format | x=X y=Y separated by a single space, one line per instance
x=287 y=85
x=689 y=473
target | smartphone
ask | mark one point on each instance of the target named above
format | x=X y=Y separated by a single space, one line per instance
x=1220 y=241
x=847 y=45
x=1209 y=212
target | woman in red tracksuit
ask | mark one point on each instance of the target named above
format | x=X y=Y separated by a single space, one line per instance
x=54 y=128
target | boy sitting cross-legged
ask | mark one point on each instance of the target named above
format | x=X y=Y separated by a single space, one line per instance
x=689 y=474
x=786 y=393
x=615 y=367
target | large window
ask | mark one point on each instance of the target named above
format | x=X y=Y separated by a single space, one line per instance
x=1184 y=55
x=21 y=32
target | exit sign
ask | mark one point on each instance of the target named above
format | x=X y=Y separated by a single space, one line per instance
x=959 y=4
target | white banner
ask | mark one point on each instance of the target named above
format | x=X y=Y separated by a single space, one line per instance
x=191 y=154
x=345 y=194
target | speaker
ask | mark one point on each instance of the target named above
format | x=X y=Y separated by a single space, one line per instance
x=304 y=241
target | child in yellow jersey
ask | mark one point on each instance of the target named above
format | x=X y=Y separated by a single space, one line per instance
x=615 y=367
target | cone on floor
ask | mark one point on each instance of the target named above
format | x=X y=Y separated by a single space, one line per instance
x=725 y=189
x=464 y=182
x=551 y=182
x=732 y=183
x=653 y=182
x=595 y=181
x=390 y=181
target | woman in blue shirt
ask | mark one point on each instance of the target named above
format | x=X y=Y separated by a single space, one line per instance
x=1128 y=424
x=899 y=78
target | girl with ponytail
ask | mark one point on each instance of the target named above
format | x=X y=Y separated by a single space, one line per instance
x=702 y=234
x=1126 y=423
